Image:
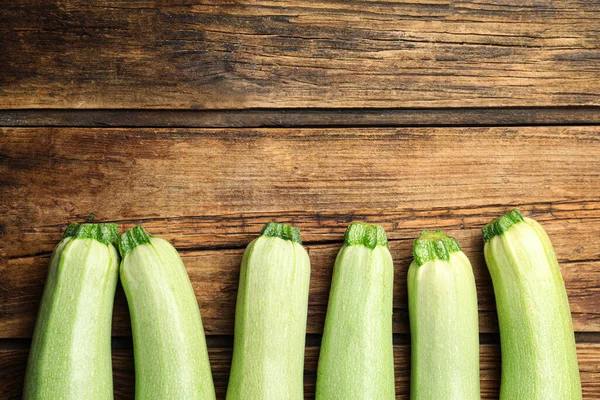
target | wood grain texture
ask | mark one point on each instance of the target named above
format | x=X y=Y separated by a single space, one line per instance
x=221 y=185
x=256 y=53
x=209 y=191
x=13 y=362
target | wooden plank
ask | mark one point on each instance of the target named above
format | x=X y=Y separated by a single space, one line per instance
x=236 y=230
x=214 y=276
x=301 y=117
x=187 y=54
x=209 y=190
x=221 y=185
x=13 y=362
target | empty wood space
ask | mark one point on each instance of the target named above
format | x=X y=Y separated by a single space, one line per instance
x=260 y=53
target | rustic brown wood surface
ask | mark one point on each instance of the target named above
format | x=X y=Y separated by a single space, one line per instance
x=204 y=119
x=209 y=191
x=12 y=365
x=239 y=54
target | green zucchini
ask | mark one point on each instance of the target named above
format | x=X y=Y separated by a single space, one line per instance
x=70 y=355
x=170 y=354
x=539 y=358
x=357 y=354
x=270 y=318
x=443 y=312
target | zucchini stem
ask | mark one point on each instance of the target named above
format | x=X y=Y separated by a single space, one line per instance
x=434 y=245
x=368 y=235
x=501 y=224
x=282 y=231
x=133 y=238
x=104 y=233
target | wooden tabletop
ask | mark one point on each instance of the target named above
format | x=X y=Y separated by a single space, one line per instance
x=202 y=120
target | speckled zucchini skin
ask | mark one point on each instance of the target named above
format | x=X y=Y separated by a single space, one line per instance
x=357 y=354
x=171 y=358
x=442 y=304
x=270 y=318
x=70 y=355
x=539 y=359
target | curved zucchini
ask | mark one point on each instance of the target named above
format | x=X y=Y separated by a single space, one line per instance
x=270 y=318
x=443 y=312
x=539 y=359
x=170 y=354
x=70 y=355
x=357 y=354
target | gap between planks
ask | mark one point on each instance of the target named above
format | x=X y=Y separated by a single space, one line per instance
x=302 y=117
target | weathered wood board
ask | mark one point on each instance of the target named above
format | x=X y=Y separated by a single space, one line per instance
x=214 y=275
x=258 y=53
x=210 y=191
